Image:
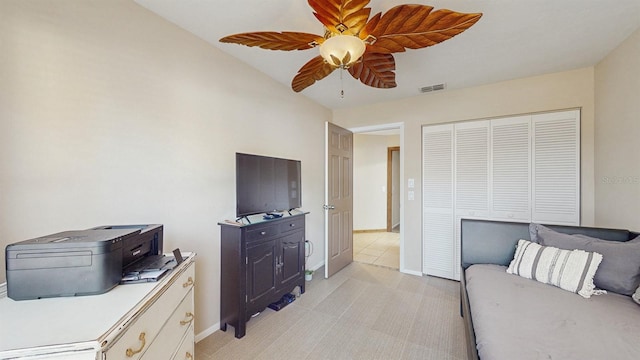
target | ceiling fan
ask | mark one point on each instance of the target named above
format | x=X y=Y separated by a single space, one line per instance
x=361 y=45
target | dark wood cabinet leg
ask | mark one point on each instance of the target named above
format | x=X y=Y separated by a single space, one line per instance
x=223 y=326
x=241 y=330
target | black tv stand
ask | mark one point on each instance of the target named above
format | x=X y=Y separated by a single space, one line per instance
x=259 y=263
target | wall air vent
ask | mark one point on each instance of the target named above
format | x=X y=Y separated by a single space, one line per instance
x=431 y=88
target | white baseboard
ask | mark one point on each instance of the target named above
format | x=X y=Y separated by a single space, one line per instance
x=317 y=266
x=411 y=272
x=208 y=331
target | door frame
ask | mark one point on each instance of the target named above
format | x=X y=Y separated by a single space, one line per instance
x=393 y=126
x=390 y=151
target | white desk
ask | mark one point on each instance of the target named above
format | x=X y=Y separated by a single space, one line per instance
x=90 y=327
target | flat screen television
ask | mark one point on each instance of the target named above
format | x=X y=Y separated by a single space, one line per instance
x=266 y=184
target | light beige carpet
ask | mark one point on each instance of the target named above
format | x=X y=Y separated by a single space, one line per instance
x=363 y=312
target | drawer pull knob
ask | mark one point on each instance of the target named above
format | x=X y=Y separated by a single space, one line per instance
x=188 y=356
x=263 y=233
x=292 y=225
x=131 y=352
x=188 y=283
x=188 y=315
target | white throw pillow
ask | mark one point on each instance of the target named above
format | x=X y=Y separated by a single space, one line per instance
x=571 y=270
x=636 y=296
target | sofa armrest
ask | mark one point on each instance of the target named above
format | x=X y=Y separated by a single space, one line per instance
x=465 y=312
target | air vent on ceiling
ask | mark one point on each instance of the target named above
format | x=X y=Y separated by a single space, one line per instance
x=431 y=88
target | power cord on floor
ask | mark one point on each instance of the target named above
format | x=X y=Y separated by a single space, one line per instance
x=308 y=250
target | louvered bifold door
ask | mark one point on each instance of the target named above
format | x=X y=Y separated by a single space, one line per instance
x=556 y=168
x=510 y=169
x=437 y=195
x=472 y=169
x=471 y=176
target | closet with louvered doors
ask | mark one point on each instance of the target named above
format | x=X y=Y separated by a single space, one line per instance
x=521 y=168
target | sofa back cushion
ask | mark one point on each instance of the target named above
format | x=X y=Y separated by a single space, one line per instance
x=620 y=268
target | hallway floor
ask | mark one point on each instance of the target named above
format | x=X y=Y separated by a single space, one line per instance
x=377 y=248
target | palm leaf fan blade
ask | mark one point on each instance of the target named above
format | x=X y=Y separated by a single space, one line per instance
x=272 y=40
x=327 y=12
x=356 y=21
x=375 y=70
x=415 y=27
x=334 y=14
x=314 y=70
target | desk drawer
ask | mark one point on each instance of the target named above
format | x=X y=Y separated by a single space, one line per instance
x=137 y=339
x=173 y=331
x=186 y=351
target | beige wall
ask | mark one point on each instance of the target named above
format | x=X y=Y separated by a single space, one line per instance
x=617 y=135
x=111 y=115
x=571 y=89
x=370 y=180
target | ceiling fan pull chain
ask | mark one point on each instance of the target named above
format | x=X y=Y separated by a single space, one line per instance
x=341 y=84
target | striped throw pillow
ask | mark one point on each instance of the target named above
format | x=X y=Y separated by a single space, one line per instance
x=571 y=270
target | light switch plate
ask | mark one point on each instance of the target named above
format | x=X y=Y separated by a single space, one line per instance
x=411 y=183
x=410 y=195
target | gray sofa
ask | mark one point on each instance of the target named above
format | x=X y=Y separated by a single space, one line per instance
x=512 y=317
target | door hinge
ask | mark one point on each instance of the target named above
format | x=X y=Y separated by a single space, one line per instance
x=328 y=207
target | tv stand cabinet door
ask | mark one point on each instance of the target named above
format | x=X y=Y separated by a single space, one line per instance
x=291 y=266
x=261 y=275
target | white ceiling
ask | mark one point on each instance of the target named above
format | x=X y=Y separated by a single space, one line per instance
x=513 y=39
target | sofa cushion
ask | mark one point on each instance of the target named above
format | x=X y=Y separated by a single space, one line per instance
x=620 y=268
x=571 y=270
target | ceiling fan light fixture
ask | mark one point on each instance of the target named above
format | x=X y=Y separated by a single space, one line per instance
x=342 y=50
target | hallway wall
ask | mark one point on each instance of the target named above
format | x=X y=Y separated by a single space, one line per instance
x=370 y=180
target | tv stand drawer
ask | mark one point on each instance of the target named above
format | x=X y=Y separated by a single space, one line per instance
x=291 y=224
x=262 y=232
